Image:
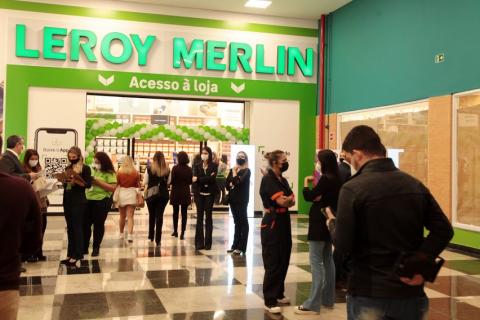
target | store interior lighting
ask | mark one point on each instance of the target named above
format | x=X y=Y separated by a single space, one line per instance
x=261 y=4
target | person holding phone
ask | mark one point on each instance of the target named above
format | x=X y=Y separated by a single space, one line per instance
x=128 y=182
x=156 y=181
x=31 y=164
x=76 y=179
x=276 y=230
x=204 y=177
x=99 y=196
x=323 y=195
x=238 y=186
x=180 y=197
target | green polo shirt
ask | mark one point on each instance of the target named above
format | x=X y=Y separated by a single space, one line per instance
x=97 y=193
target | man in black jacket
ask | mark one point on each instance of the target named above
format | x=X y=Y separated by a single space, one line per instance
x=382 y=213
x=20 y=225
x=10 y=161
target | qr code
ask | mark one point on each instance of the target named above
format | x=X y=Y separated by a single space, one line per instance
x=54 y=165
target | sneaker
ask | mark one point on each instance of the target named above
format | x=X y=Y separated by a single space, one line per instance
x=303 y=310
x=130 y=238
x=230 y=250
x=284 y=300
x=273 y=309
x=121 y=235
x=237 y=252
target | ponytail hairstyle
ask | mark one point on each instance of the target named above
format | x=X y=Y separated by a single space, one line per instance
x=274 y=156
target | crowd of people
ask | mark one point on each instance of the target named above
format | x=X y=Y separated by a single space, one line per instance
x=359 y=224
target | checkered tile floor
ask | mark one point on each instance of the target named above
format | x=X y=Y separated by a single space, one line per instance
x=139 y=281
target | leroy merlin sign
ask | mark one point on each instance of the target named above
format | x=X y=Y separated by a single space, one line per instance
x=200 y=54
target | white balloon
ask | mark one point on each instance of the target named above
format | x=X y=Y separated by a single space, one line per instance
x=228 y=135
x=89 y=149
x=184 y=136
x=161 y=135
x=201 y=131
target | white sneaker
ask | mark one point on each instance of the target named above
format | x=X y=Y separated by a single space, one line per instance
x=274 y=309
x=121 y=235
x=130 y=237
x=302 y=310
x=237 y=252
x=284 y=300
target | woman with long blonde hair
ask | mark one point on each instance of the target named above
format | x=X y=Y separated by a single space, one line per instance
x=76 y=179
x=156 y=181
x=128 y=182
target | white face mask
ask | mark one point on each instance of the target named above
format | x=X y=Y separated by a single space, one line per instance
x=33 y=163
x=204 y=157
x=97 y=166
x=318 y=167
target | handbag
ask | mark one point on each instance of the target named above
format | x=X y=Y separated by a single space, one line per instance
x=140 y=200
x=152 y=193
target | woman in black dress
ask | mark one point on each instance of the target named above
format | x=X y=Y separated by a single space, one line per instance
x=238 y=185
x=76 y=179
x=180 y=196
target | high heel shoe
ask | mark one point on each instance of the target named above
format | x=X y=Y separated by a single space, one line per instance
x=182 y=236
x=74 y=263
x=65 y=261
x=175 y=234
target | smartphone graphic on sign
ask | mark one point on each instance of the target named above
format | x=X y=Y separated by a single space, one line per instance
x=52 y=145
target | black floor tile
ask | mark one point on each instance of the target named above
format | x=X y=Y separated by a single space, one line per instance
x=109 y=304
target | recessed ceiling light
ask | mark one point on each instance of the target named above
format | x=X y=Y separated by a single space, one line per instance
x=262 y=4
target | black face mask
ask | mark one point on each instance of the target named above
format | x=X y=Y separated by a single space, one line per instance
x=284 y=167
x=73 y=161
x=240 y=161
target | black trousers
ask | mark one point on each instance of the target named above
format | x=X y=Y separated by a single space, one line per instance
x=96 y=214
x=176 y=210
x=204 y=209
x=240 y=237
x=156 y=209
x=74 y=215
x=276 y=236
x=44 y=227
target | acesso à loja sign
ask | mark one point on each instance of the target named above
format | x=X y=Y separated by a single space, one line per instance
x=201 y=54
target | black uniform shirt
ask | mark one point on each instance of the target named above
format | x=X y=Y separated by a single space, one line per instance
x=271 y=188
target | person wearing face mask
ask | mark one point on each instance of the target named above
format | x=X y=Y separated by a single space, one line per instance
x=238 y=186
x=10 y=160
x=276 y=230
x=76 y=179
x=99 y=196
x=31 y=164
x=205 y=174
x=382 y=217
x=324 y=194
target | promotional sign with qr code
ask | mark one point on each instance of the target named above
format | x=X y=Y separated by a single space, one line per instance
x=52 y=145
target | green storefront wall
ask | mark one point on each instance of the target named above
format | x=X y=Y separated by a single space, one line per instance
x=20 y=78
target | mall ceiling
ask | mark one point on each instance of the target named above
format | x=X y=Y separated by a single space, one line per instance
x=301 y=9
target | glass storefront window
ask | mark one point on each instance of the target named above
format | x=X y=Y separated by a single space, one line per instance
x=467 y=145
x=403 y=130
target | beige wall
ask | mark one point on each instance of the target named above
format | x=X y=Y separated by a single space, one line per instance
x=440 y=151
x=439 y=176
